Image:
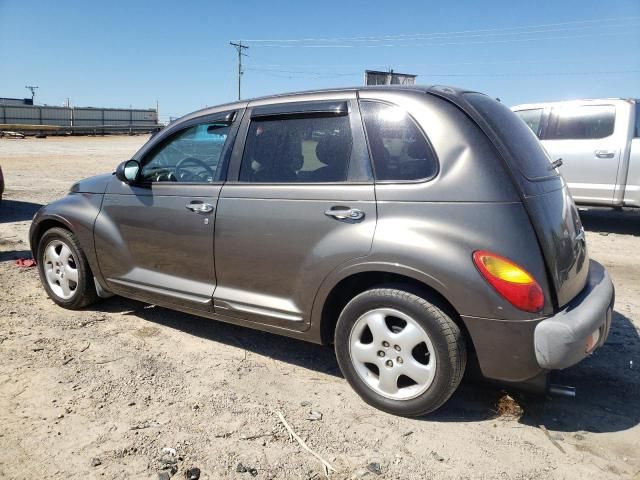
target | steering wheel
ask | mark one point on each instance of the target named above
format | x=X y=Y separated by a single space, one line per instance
x=194 y=161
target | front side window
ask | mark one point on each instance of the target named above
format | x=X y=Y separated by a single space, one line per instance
x=398 y=147
x=580 y=122
x=192 y=155
x=286 y=150
x=532 y=118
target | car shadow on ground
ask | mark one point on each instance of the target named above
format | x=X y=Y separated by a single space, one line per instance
x=17 y=211
x=608 y=220
x=607 y=389
x=12 y=255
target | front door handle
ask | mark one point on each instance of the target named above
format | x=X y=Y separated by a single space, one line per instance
x=345 y=213
x=604 y=153
x=199 y=207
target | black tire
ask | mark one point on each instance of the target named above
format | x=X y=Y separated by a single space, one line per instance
x=445 y=335
x=85 y=291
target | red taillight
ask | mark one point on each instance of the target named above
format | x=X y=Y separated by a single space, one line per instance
x=511 y=281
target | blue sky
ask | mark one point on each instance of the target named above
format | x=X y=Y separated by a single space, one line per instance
x=118 y=54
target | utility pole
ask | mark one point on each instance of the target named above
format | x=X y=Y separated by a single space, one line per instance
x=239 y=47
x=33 y=91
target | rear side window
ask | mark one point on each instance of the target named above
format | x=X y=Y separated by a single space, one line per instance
x=399 y=149
x=581 y=122
x=313 y=149
x=530 y=158
x=532 y=118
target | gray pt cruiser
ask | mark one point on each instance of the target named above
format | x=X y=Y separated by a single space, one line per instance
x=407 y=226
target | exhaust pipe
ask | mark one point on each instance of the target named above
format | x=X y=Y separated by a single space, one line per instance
x=562 y=391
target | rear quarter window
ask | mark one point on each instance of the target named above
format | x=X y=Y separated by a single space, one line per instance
x=530 y=158
x=399 y=149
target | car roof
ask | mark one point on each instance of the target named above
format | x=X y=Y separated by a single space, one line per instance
x=310 y=93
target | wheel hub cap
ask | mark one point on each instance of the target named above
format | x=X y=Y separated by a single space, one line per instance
x=60 y=269
x=392 y=354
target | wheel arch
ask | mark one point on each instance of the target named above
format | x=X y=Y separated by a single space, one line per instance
x=43 y=224
x=76 y=213
x=331 y=299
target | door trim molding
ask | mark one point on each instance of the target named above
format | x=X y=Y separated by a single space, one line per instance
x=226 y=307
x=162 y=291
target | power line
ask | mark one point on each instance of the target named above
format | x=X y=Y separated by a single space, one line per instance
x=293 y=74
x=302 y=72
x=267 y=66
x=239 y=47
x=579 y=24
x=431 y=44
x=426 y=36
x=32 y=88
x=529 y=74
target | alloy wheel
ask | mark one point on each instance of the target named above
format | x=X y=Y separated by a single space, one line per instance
x=392 y=353
x=60 y=269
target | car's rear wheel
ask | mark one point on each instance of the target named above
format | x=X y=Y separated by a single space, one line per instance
x=64 y=270
x=399 y=351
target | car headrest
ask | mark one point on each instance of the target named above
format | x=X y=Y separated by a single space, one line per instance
x=333 y=150
x=267 y=148
x=417 y=150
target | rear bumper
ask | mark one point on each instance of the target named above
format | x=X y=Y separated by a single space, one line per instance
x=581 y=327
x=519 y=350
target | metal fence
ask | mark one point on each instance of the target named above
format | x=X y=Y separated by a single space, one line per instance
x=79 y=119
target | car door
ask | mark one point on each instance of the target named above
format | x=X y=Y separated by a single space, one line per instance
x=301 y=204
x=154 y=239
x=586 y=138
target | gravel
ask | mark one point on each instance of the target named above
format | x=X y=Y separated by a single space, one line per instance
x=144 y=378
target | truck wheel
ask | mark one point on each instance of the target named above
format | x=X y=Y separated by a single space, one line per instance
x=64 y=270
x=401 y=353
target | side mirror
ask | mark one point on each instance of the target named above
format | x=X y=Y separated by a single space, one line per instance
x=128 y=171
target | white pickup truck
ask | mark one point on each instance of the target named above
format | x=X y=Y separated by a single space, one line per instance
x=598 y=142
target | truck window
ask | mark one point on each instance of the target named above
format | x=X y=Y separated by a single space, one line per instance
x=581 y=122
x=532 y=118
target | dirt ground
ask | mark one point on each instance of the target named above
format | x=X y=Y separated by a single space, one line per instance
x=99 y=393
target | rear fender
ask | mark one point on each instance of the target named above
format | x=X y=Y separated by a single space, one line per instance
x=363 y=265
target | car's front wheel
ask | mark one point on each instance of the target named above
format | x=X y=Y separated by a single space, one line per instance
x=399 y=351
x=64 y=270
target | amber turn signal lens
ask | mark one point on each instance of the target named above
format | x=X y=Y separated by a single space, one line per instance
x=511 y=281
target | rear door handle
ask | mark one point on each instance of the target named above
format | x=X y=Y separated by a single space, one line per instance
x=345 y=213
x=604 y=153
x=199 y=207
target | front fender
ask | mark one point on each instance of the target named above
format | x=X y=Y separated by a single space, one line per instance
x=77 y=212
